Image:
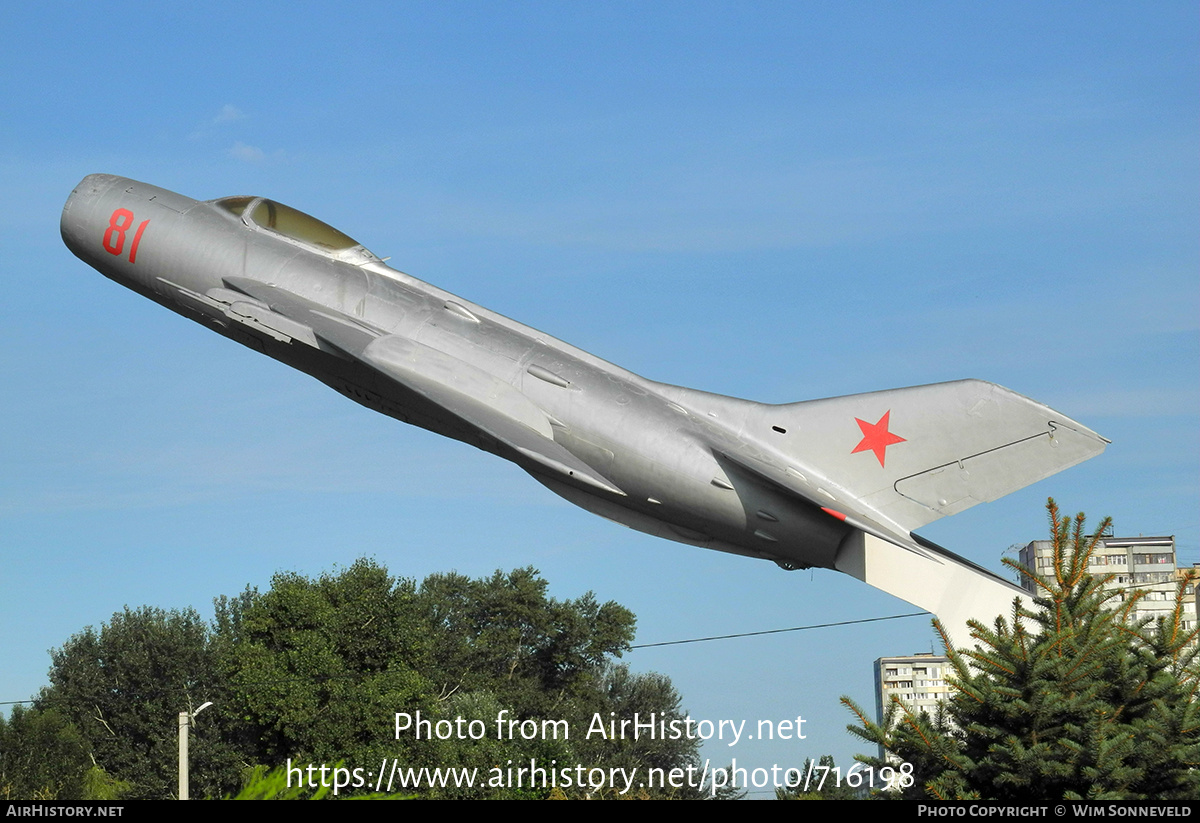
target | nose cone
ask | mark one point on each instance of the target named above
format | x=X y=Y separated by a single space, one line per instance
x=78 y=215
x=120 y=227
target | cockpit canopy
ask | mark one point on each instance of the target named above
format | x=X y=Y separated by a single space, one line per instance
x=297 y=226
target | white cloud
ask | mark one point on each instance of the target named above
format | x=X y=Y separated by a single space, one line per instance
x=229 y=113
x=250 y=154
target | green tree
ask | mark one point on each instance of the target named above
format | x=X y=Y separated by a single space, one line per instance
x=42 y=756
x=1070 y=700
x=122 y=688
x=625 y=694
x=501 y=644
x=315 y=670
x=318 y=669
x=506 y=635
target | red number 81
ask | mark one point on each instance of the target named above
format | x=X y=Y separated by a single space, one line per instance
x=114 y=235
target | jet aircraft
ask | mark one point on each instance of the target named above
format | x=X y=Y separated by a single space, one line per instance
x=839 y=483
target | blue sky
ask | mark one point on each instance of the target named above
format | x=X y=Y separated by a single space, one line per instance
x=778 y=201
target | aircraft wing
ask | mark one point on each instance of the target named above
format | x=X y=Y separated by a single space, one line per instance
x=477 y=399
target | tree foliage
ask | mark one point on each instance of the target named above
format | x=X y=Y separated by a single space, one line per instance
x=42 y=756
x=1070 y=700
x=314 y=670
x=122 y=688
x=504 y=633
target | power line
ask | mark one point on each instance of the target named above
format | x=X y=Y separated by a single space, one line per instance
x=776 y=631
x=349 y=675
x=648 y=645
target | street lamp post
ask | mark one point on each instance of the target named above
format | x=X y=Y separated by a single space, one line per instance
x=185 y=720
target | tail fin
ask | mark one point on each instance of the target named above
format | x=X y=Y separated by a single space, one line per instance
x=914 y=455
x=891 y=461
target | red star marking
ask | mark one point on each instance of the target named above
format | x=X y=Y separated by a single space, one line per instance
x=876 y=437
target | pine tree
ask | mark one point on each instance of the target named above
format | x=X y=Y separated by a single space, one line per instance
x=1070 y=700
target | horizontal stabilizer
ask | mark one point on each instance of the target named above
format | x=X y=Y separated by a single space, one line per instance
x=815 y=490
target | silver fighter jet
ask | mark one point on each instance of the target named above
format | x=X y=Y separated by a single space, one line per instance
x=839 y=483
